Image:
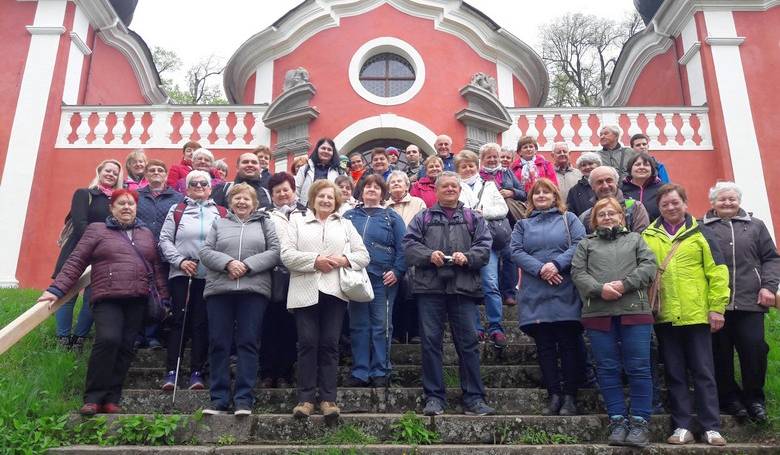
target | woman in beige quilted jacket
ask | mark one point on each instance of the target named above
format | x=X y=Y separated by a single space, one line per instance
x=313 y=251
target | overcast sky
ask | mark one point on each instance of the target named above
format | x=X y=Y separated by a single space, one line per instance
x=198 y=28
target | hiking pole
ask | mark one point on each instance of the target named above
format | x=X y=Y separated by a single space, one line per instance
x=387 y=346
x=181 y=340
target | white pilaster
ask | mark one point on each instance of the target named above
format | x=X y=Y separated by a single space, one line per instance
x=264 y=82
x=25 y=138
x=506 y=90
x=737 y=116
x=692 y=60
x=78 y=50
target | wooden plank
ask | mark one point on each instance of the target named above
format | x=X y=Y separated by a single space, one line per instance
x=38 y=313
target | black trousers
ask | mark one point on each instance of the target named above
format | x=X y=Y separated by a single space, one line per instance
x=196 y=327
x=689 y=348
x=117 y=322
x=744 y=330
x=405 y=316
x=319 y=327
x=559 y=340
x=277 y=347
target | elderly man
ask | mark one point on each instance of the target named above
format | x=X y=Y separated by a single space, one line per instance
x=443 y=147
x=448 y=244
x=567 y=175
x=581 y=195
x=604 y=182
x=641 y=143
x=248 y=171
x=612 y=152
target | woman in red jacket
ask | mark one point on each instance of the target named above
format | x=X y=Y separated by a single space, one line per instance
x=530 y=165
x=180 y=171
x=125 y=269
x=425 y=187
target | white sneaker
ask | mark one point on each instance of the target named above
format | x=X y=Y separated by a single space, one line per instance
x=243 y=412
x=715 y=439
x=215 y=411
x=680 y=436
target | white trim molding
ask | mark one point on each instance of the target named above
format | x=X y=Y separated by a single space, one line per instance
x=80 y=44
x=78 y=50
x=386 y=126
x=25 y=136
x=394 y=46
x=740 y=130
x=454 y=17
x=690 y=53
x=725 y=41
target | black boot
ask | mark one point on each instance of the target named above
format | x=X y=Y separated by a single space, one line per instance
x=569 y=406
x=618 y=430
x=554 y=406
x=757 y=412
x=639 y=434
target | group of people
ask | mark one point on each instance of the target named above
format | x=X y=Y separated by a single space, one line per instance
x=252 y=269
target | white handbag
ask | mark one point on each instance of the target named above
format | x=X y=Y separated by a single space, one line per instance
x=355 y=284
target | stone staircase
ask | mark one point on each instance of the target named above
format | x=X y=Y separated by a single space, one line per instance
x=512 y=379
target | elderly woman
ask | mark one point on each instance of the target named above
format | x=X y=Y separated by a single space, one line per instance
x=612 y=269
x=182 y=237
x=693 y=297
x=581 y=195
x=549 y=311
x=323 y=163
x=135 y=163
x=346 y=187
x=754 y=271
x=506 y=156
x=485 y=197
x=125 y=268
x=405 y=323
x=88 y=205
x=425 y=187
x=277 y=347
x=642 y=183
x=239 y=253
x=202 y=160
x=382 y=230
x=314 y=250
x=530 y=165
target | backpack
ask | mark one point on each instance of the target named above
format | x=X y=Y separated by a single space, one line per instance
x=178 y=213
x=468 y=215
x=629 y=204
x=67 y=228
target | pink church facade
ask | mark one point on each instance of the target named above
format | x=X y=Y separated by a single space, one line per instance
x=79 y=87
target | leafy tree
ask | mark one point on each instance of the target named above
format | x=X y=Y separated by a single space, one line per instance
x=199 y=88
x=581 y=52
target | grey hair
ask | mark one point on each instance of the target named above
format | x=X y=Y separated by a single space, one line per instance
x=447 y=174
x=196 y=173
x=401 y=174
x=561 y=144
x=508 y=148
x=488 y=147
x=202 y=151
x=724 y=186
x=611 y=169
x=589 y=157
x=614 y=129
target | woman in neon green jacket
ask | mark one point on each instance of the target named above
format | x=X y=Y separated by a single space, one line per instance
x=694 y=293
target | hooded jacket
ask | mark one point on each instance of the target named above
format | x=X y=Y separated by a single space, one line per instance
x=637 y=218
x=749 y=254
x=645 y=194
x=613 y=255
x=89 y=205
x=546 y=236
x=544 y=169
x=383 y=234
x=696 y=281
x=253 y=242
x=618 y=157
x=195 y=225
x=153 y=210
x=439 y=233
x=581 y=197
x=305 y=176
x=117 y=271
x=425 y=189
x=263 y=196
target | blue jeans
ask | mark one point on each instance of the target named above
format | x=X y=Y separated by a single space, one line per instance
x=64 y=316
x=494 y=306
x=238 y=316
x=367 y=324
x=624 y=348
x=508 y=276
x=434 y=309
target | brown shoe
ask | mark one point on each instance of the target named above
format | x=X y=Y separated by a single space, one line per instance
x=303 y=410
x=510 y=301
x=330 y=411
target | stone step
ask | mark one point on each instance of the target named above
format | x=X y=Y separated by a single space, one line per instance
x=451 y=429
x=508 y=313
x=398 y=449
x=528 y=401
x=400 y=354
x=498 y=376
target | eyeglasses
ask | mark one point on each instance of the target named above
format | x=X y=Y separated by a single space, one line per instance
x=198 y=183
x=155 y=170
x=602 y=215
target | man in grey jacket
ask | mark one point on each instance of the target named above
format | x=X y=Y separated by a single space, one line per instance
x=448 y=244
x=604 y=181
x=612 y=151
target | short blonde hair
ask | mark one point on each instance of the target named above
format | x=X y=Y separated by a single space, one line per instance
x=242 y=188
x=431 y=159
x=602 y=204
x=490 y=146
x=466 y=156
x=320 y=185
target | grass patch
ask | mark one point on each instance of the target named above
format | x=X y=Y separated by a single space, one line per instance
x=345 y=435
x=537 y=436
x=772 y=387
x=410 y=429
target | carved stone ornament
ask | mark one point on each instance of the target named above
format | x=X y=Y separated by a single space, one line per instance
x=296 y=77
x=485 y=82
x=290 y=113
x=485 y=117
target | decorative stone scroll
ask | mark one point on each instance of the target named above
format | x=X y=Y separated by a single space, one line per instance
x=485 y=117
x=290 y=113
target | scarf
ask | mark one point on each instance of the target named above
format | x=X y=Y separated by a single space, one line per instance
x=471 y=181
x=106 y=190
x=492 y=175
x=528 y=173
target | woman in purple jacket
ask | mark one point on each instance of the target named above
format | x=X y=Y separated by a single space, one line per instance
x=125 y=268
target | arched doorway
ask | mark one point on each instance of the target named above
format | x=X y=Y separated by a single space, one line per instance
x=385 y=130
x=366 y=147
